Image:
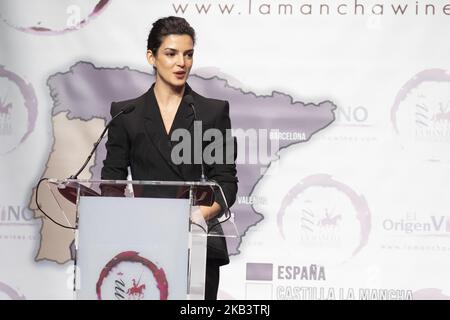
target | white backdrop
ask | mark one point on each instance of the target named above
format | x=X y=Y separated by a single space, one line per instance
x=359 y=211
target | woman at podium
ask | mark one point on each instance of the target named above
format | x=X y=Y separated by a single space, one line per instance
x=142 y=139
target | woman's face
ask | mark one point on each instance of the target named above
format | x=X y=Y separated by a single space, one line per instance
x=173 y=60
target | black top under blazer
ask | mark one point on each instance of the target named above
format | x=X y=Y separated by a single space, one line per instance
x=139 y=140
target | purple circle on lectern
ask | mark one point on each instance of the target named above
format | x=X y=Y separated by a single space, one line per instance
x=128 y=276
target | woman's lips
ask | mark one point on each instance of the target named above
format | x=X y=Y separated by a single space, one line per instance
x=180 y=75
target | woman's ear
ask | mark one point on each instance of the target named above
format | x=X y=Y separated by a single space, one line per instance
x=150 y=57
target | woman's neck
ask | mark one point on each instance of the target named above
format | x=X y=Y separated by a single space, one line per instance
x=167 y=95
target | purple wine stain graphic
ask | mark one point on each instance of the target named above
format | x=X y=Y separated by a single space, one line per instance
x=358 y=203
x=430 y=294
x=30 y=104
x=10 y=292
x=39 y=29
x=431 y=75
x=420 y=115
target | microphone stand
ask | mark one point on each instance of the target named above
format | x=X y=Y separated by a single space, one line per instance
x=69 y=193
x=122 y=111
x=190 y=101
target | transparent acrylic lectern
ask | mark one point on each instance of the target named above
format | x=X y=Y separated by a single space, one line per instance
x=138 y=239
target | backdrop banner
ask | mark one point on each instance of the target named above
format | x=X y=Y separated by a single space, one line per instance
x=341 y=111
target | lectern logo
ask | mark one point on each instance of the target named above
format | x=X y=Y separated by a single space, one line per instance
x=129 y=276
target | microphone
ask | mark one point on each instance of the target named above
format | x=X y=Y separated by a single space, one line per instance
x=190 y=101
x=124 y=110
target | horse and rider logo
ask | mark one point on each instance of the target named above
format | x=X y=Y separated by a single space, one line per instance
x=330 y=220
x=5 y=109
x=128 y=276
x=18 y=110
x=5 y=117
x=137 y=290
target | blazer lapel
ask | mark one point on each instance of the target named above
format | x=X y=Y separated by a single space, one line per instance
x=184 y=116
x=184 y=119
x=155 y=130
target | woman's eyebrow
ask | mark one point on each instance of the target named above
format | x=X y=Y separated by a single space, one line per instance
x=175 y=50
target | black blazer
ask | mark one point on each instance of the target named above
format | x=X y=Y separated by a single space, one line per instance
x=139 y=140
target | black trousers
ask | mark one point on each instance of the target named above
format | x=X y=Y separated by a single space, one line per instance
x=211 y=279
